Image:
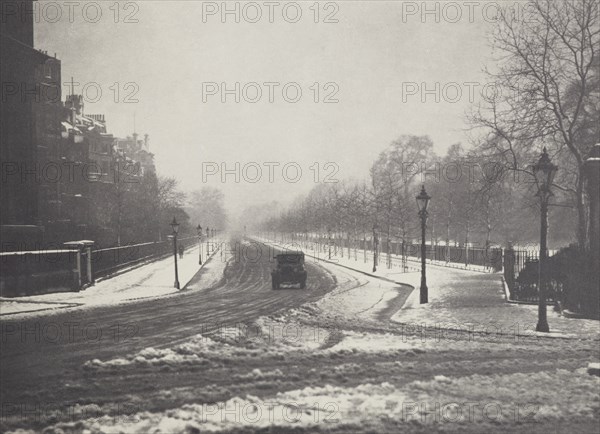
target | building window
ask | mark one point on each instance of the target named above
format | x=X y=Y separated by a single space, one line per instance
x=48 y=69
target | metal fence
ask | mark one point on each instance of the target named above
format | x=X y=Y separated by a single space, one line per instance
x=570 y=277
x=110 y=260
x=521 y=274
x=43 y=271
x=465 y=256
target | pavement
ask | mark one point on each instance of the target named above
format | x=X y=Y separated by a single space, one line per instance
x=467 y=300
x=150 y=279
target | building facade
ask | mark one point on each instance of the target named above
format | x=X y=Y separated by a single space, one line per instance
x=64 y=176
x=31 y=110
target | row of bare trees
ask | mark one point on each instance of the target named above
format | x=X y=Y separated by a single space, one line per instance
x=547 y=79
x=474 y=201
x=141 y=210
x=137 y=210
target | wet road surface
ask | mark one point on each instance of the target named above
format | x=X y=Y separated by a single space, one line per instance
x=41 y=354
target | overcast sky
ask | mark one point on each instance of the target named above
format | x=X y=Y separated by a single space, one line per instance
x=372 y=55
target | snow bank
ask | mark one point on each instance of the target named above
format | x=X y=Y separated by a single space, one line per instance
x=493 y=399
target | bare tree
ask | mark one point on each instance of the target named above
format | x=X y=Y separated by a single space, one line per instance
x=547 y=82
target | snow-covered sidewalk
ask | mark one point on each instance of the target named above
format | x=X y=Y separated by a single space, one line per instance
x=460 y=299
x=466 y=300
x=152 y=279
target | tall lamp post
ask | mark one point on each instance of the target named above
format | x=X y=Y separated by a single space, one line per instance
x=175 y=227
x=375 y=247
x=544 y=172
x=207 y=245
x=199 y=231
x=422 y=202
x=329 y=241
x=592 y=172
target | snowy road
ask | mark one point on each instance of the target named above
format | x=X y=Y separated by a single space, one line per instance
x=43 y=356
x=240 y=357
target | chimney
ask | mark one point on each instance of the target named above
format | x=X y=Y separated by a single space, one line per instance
x=75 y=102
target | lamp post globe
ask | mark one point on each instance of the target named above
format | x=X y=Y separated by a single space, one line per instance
x=175 y=226
x=423 y=200
x=544 y=171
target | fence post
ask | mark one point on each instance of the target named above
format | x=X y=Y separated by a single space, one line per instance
x=79 y=282
x=509 y=267
x=89 y=265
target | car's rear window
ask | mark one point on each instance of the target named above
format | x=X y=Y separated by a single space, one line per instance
x=289 y=259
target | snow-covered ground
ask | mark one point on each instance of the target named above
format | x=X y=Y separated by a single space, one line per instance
x=153 y=279
x=462 y=299
x=356 y=294
x=494 y=402
x=355 y=361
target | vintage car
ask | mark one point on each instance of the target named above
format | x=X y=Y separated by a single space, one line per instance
x=289 y=269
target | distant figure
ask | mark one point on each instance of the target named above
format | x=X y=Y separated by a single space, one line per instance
x=180 y=252
x=558 y=307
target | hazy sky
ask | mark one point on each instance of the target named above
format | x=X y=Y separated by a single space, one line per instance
x=371 y=56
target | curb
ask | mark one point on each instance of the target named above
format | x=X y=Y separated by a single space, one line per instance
x=206 y=261
x=569 y=314
x=507 y=295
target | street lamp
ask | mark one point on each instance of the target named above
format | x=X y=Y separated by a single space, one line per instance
x=592 y=173
x=175 y=227
x=207 y=245
x=375 y=247
x=199 y=231
x=422 y=202
x=329 y=241
x=544 y=172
